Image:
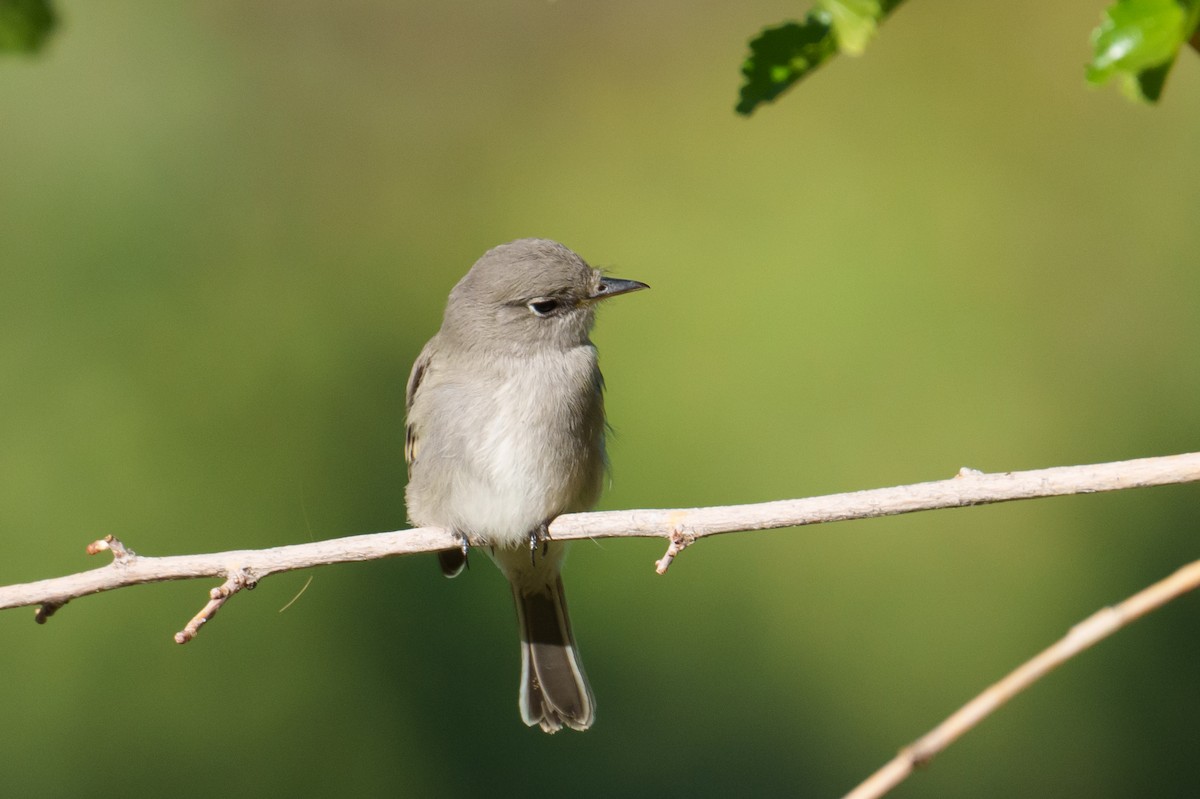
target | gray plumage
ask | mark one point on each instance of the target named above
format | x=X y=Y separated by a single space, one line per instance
x=505 y=431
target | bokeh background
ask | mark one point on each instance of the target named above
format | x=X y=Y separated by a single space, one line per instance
x=227 y=228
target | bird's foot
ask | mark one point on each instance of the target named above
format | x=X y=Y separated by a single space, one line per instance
x=539 y=535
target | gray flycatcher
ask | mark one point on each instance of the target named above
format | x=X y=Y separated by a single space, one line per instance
x=505 y=431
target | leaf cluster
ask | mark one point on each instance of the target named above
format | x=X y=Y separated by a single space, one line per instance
x=1136 y=43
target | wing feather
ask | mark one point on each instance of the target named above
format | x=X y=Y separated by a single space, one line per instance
x=411 y=438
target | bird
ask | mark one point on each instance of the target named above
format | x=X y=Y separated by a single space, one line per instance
x=505 y=430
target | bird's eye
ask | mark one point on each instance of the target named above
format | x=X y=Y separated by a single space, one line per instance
x=544 y=307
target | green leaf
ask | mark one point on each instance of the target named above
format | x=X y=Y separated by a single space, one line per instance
x=781 y=56
x=24 y=25
x=1137 y=42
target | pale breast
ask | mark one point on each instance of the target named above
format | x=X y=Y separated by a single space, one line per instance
x=519 y=443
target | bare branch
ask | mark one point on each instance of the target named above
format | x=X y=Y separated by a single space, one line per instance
x=680 y=527
x=129 y=568
x=1095 y=628
x=968 y=487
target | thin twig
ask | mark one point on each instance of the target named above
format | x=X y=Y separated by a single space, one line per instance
x=680 y=526
x=1087 y=633
x=216 y=598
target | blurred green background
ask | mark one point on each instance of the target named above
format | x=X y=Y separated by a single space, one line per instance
x=227 y=228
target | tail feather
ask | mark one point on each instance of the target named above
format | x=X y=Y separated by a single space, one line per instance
x=554 y=689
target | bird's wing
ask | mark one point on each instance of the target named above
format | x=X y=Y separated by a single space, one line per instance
x=414 y=385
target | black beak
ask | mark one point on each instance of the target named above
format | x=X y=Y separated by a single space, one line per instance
x=612 y=286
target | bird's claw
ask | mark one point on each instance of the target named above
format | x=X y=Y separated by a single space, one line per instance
x=538 y=535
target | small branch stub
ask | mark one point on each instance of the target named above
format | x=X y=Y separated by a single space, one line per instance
x=111 y=544
x=680 y=540
x=218 y=596
x=46 y=610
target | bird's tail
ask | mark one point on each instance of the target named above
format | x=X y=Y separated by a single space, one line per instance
x=554 y=690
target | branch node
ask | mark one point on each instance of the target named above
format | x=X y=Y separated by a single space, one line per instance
x=46 y=610
x=112 y=544
x=238 y=579
x=680 y=540
x=918 y=754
